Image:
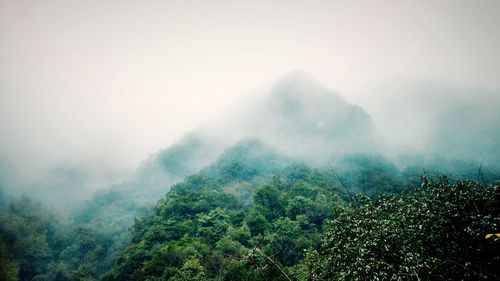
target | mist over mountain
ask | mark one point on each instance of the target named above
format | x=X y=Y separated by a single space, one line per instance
x=299 y=118
x=467 y=126
x=249 y=140
x=283 y=163
x=435 y=119
x=307 y=122
x=298 y=121
x=302 y=121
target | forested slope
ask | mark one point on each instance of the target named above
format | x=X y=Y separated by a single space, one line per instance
x=303 y=190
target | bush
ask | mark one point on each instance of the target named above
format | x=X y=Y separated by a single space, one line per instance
x=436 y=233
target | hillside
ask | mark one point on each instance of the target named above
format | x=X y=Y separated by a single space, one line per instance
x=290 y=193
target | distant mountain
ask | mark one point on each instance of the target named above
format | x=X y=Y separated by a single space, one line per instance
x=300 y=119
x=272 y=172
x=303 y=114
x=303 y=119
x=469 y=130
x=442 y=120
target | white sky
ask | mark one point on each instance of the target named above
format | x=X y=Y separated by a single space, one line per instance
x=114 y=81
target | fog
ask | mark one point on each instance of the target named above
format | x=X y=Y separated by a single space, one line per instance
x=90 y=89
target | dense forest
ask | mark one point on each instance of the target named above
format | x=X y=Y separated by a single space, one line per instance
x=305 y=190
x=257 y=215
x=260 y=140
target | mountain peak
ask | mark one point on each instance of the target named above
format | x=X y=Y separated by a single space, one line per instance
x=297 y=77
x=297 y=82
x=299 y=86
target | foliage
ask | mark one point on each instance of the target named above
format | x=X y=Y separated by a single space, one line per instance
x=30 y=239
x=436 y=233
x=253 y=215
x=201 y=232
x=372 y=175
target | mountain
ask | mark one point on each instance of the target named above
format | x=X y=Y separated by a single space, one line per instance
x=469 y=130
x=186 y=157
x=120 y=204
x=249 y=197
x=435 y=119
x=300 y=119
x=304 y=120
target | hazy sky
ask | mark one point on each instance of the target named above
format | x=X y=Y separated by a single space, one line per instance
x=118 y=80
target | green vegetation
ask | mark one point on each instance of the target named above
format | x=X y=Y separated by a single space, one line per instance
x=30 y=240
x=326 y=205
x=38 y=244
x=435 y=233
x=200 y=231
x=256 y=215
